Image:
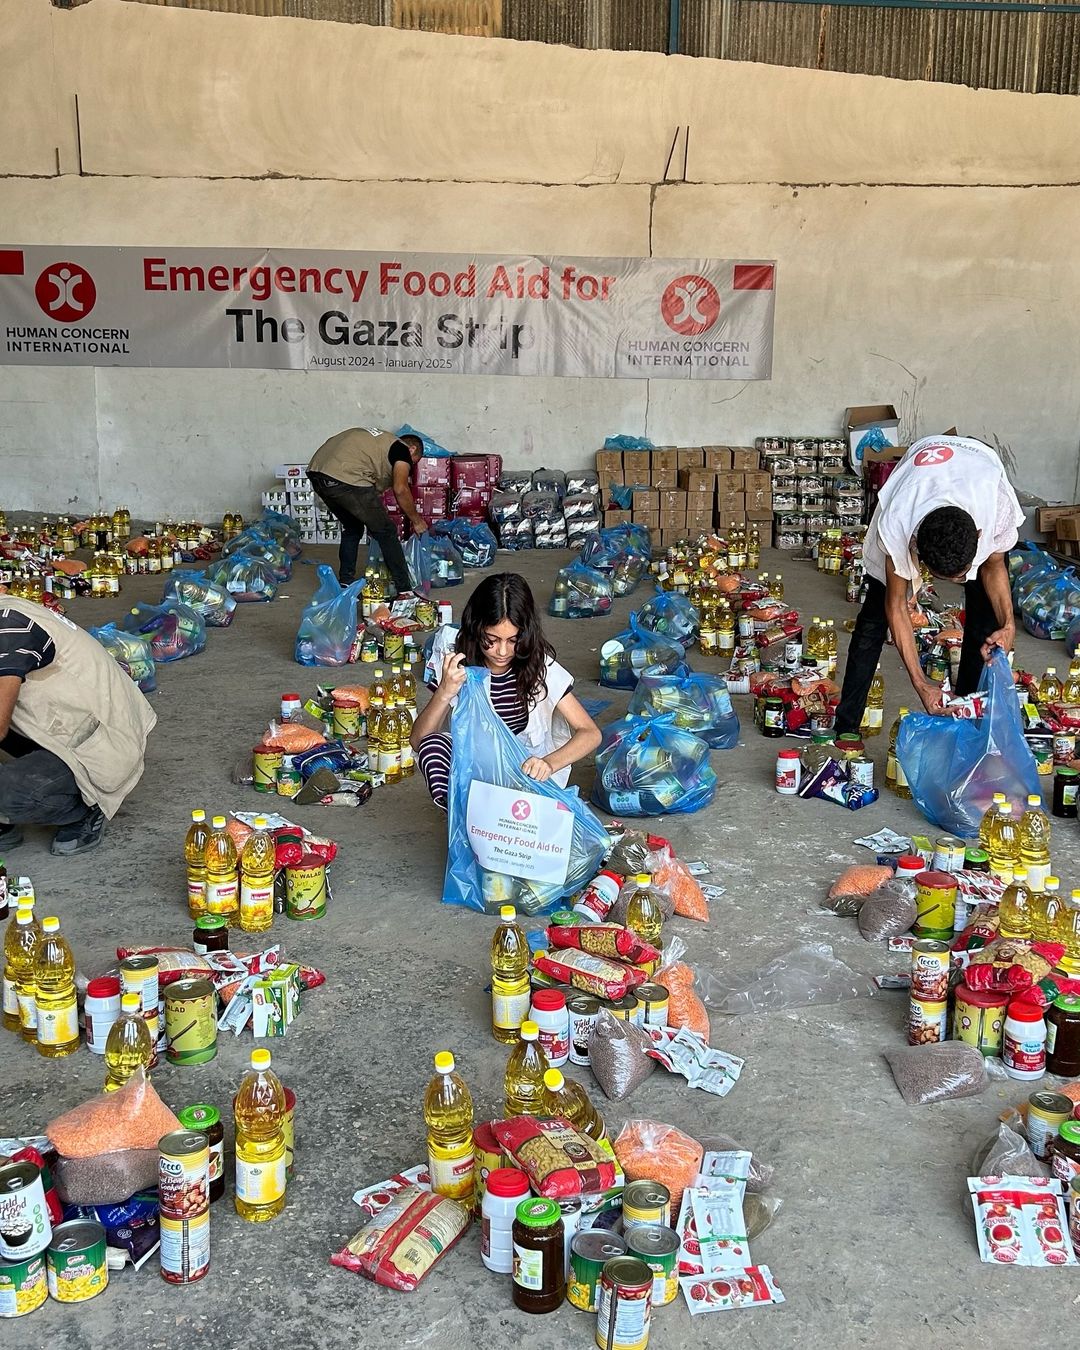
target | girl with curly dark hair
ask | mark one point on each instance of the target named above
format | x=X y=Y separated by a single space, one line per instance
x=532 y=693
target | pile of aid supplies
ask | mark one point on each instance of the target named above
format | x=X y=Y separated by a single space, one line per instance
x=614 y=1221
x=123 y=1175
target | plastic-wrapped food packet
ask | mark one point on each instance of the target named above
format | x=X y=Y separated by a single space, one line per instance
x=750 y=1288
x=405 y=1239
x=934 y=1073
x=686 y=1053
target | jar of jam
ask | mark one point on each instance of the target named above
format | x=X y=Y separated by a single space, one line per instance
x=849 y=745
x=1066 y=791
x=207 y=1120
x=211 y=934
x=539 y=1264
x=772 y=718
x=1065 y=1152
x=976 y=860
x=1063 y=1036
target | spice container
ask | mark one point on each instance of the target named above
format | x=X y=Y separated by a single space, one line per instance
x=211 y=934
x=101 y=1008
x=539 y=1268
x=1063 y=1037
x=1023 y=1049
x=506 y=1187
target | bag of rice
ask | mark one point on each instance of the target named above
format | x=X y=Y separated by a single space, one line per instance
x=934 y=1073
x=650 y=1151
x=402 y=1242
x=558 y=1160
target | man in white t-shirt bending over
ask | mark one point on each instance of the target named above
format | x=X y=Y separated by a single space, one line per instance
x=947 y=505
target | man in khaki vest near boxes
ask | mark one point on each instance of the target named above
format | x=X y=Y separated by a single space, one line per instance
x=350 y=472
x=73 y=729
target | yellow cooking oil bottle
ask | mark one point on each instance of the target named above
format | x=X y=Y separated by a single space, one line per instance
x=895 y=777
x=20 y=957
x=54 y=993
x=725 y=629
x=510 y=987
x=1016 y=906
x=523 y=1081
x=816 y=646
x=1050 y=688
x=222 y=874
x=873 y=718
x=448 y=1115
x=257 y=866
x=1034 y=842
x=832 y=641
x=563 y=1097
x=1067 y=932
x=389 y=743
x=1004 y=847
x=1070 y=693
x=195 y=861
x=643 y=912
x=404 y=723
x=1044 y=911
x=259 y=1115
x=375 y=714
x=987 y=822
x=128 y=1045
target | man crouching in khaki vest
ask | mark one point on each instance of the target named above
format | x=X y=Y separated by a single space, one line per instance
x=73 y=729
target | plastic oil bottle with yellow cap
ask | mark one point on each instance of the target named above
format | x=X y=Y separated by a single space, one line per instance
x=195 y=862
x=20 y=957
x=222 y=874
x=643 y=912
x=259 y=1114
x=54 y=993
x=523 y=1081
x=448 y=1115
x=128 y=1045
x=257 y=865
x=563 y=1097
x=509 y=977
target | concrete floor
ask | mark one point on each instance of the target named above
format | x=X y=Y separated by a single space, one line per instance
x=875 y=1241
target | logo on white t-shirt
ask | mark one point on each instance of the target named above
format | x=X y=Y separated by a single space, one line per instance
x=933 y=454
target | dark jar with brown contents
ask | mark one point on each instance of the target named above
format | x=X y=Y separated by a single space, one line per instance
x=1063 y=1037
x=211 y=935
x=207 y=1120
x=539 y=1268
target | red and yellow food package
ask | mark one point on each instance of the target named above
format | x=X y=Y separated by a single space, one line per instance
x=558 y=1160
x=604 y=939
x=593 y=974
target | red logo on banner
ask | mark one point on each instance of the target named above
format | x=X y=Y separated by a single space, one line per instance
x=933 y=454
x=521 y=810
x=66 y=292
x=690 y=305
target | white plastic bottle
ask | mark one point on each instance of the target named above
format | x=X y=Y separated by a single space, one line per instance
x=1023 y=1047
x=505 y=1188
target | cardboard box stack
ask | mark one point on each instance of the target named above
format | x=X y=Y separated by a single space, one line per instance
x=295 y=497
x=1062 y=525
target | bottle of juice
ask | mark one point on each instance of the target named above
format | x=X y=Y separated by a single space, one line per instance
x=873 y=717
x=986 y=824
x=128 y=1044
x=1034 y=832
x=1070 y=693
x=643 y=912
x=20 y=956
x=1015 y=907
x=895 y=777
x=222 y=874
x=257 y=867
x=563 y=1097
x=403 y=722
x=195 y=860
x=1004 y=847
x=1067 y=932
x=509 y=947
x=448 y=1115
x=1049 y=689
x=259 y=1113
x=1044 y=911
x=523 y=1082
x=54 y=993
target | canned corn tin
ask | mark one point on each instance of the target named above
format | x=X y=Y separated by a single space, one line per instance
x=948 y=854
x=589 y=1254
x=935 y=900
x=652 y=1008
x=646 y=1203
x=930 y=970
x=305 y=888
x=190 y=1022
x=658 y=1247
x=77 y=1268
x=265 y=763
x=23 y=1286
x=624 y=1304
x=289 y=781
x=25 y=1227
x=1046 y=1113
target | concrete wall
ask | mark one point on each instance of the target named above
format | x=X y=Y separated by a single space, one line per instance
x=925 y=235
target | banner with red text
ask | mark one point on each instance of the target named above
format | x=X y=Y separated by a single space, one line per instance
x=295 y=309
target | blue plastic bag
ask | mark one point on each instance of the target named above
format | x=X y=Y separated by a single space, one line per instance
x=447 y=569
x=601 y=551
x=131 y=652
x=670 y=615
x=580 y=593
x=417 y=559
x=284 y=530
x=1040 y=567
x=628 y=443
x=647 y=766
x=535 y=843
x=328 y=624
x=1050 y=607
x=206 y=597
x=627 y=654
x=697 y=703
x=258 y=542
x=175 y=630
x=473 y=539
x=432 y=449
x=954 y=765
x=247 y=579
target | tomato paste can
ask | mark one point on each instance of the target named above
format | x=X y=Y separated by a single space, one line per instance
x=646 y=1204
x=927 y=1022
x=265 y=762
x=658 y=1247
x=1046 y=1113
x=23 y=1285
x=589 y=1254
x=949 y=854
x=979 y=1018
x=76 y=1266
x=190 y=1022
x=487 y=1157
x=25 y=1227
x=935 y=899
x=930 y=970
x=305 y=888
x=624 y=1304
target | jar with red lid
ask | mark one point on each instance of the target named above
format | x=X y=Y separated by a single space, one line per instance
x=504 y=1190
x=788 y=772
x=1023 y=1047
x=550 y=1013
x=101 y=1008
